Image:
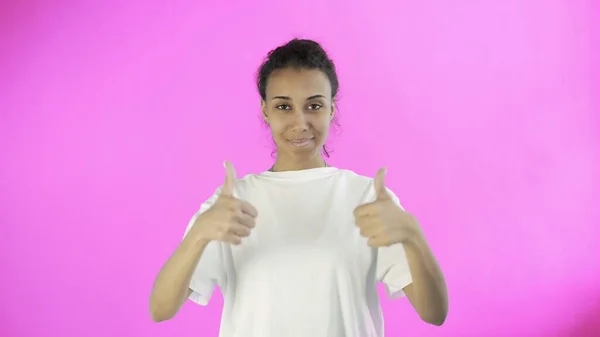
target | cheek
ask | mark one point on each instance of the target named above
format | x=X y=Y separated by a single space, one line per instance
x=322 y=124
x=277 y=126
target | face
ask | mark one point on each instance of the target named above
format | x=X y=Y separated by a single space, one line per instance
x=299 y=110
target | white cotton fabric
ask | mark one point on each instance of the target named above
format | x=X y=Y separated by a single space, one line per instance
x=305 y=270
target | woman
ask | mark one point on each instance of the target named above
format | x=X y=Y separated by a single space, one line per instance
x=298 y=250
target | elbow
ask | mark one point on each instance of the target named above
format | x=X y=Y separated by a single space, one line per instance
x=160 y=313
x=436 y=318
x=158 y=317
x=437 y=321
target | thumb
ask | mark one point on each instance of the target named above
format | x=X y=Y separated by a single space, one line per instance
x=379 y=184
x=230 y=178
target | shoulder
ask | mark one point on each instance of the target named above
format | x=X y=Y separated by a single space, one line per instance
x=353 y=176
x=354 y=179
x=365 y=183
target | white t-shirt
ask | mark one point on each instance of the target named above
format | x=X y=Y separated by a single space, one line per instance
x=305 y=270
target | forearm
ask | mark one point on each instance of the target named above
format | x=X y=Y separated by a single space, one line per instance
x=429 y=291
x=171 y=287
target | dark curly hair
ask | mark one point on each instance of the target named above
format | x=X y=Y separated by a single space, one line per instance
x=300 y=54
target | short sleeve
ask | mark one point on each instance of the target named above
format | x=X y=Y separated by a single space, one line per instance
x=210 y=271
x=392 y=266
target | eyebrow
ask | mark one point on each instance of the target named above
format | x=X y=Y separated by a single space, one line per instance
x=287 y=98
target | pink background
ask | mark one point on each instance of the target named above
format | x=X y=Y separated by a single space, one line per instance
x=115 y=119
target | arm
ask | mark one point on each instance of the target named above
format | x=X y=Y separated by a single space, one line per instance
x=405 y=261
x=197 y=265
x=171 y=287
x=427 y=293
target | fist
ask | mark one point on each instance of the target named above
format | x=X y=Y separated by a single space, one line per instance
x=383 y=222
x=229 y=219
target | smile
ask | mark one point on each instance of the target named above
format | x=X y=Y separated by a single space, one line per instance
x=300 y=142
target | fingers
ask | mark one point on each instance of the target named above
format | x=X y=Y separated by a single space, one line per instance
x=248 y=209
x=239 y=206
x=368 y=225
x=246 y=220
x=235 y=233
x=377 y=241
x=229 y=187
x=230 y=177
x=232 y=239
x=372 y=229
x=371 y=208
x=237 y=214
x=379 y=184
x=237 y=217
x=240 y=230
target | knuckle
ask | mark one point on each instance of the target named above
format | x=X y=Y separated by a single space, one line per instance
x=238 y=213
x=238 y=205
x=232 y=218
x=224 y=228
x=220 y=235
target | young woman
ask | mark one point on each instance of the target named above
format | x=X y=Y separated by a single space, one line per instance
x=299 y=249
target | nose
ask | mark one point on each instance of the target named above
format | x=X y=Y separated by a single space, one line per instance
x=299 y=122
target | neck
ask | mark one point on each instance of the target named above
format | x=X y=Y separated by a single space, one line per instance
x=284 y=163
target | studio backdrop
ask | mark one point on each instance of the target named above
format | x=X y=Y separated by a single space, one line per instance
x=116 y=117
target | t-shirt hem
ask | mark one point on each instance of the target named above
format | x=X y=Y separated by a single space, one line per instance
x=395 y=289
x=201 y=294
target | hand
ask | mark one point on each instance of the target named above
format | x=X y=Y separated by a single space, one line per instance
x=229 y=219
x=383 y=222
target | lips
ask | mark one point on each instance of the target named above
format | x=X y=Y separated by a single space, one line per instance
x=300 y=142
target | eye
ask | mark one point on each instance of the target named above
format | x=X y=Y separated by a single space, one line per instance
x=314 y=106
x=282 y=107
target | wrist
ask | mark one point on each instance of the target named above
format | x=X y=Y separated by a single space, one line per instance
x=197 y=236
x=415 y=243
x=415 y=235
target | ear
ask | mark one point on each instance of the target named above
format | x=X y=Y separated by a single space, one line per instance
x=263 y=107
x=332 y=114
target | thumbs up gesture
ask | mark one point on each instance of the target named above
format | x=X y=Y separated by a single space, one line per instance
x=382 y=221
x=229 y=219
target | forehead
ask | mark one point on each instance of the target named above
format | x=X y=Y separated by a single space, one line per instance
x=298 y=82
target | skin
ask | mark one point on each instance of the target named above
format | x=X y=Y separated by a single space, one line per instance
x=299 y=106
x=228 y=220
x=385 y=223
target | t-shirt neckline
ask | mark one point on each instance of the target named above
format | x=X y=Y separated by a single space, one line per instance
x=318 y=172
